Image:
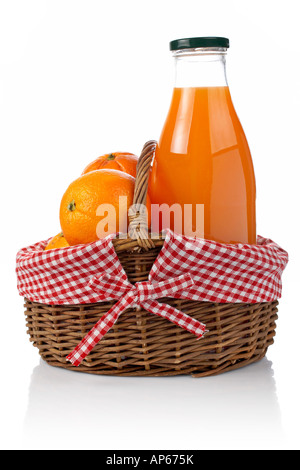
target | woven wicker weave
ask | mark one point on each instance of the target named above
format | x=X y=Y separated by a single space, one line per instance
x=142 y=344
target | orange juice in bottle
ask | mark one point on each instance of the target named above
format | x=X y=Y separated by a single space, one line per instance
x=203 y=164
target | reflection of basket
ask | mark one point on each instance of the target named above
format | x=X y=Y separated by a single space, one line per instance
x=142 y=344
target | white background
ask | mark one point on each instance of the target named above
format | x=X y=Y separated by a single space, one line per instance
x=83 y=78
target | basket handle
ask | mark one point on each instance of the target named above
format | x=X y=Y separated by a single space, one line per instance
x=138 y=224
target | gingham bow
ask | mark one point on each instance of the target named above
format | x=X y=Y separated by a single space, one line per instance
x=142 y=294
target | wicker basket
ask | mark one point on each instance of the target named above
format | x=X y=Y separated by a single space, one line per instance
x=142 y=344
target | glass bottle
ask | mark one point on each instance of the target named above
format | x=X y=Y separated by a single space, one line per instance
x=203 y=163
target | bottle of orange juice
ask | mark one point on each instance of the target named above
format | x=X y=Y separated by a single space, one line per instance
x=202 y=170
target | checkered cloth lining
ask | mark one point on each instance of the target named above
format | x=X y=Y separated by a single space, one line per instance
x=220 y=272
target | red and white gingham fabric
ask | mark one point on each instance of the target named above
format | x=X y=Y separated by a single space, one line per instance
x=142 y=294
x=62 y=276
x=223 y=272
x=220 y=272
x=185 y=268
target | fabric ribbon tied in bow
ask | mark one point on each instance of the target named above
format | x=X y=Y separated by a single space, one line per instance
x=141 y=295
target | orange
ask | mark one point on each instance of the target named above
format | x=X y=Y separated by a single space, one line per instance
x=91 y=207
x=121 y=161
x=58 y=241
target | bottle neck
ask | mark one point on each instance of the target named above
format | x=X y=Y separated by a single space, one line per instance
x=203 y=67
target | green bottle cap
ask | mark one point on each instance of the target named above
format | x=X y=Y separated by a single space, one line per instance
x=192 y=43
